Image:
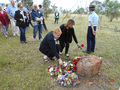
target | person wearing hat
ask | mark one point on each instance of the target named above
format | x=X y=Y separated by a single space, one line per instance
x=92 y=29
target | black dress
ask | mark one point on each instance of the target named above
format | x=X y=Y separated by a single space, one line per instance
x=66 y=38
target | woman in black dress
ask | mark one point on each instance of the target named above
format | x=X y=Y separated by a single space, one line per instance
x=66 y=37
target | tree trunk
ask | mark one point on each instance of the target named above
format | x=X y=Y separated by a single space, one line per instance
x=111 y=19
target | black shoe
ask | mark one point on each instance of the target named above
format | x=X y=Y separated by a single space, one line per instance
x=92 y=51
x=25 y=41
x=85 y=51
x=22 y=41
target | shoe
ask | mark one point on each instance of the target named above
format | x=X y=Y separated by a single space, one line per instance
x=14 y=34
x=22 y=41
x=34 y=39
x=45 y=58
x=92 y=51
x=6 y=36
x=60 y=53
x=40 y=39
x=85 y=51
x=25 y=41
x=66 y=55
x=18 y=34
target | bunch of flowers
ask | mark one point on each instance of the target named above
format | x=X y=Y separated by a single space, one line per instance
x=75 y=61
x=67 y=66
x=68 y=79
x=54 y=70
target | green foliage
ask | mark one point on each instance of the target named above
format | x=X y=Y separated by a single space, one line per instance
x=46 y=5
x=28 y=4
x=49 y=10
x=79 y=11
x=112 y=9
x=54 y=7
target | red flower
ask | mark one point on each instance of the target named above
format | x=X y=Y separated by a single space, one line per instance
x=82 y=45
x=63 y=67
x=68 y=70
x=78 y=59
x=74 y=68
x=74 y=62
x=11 y=13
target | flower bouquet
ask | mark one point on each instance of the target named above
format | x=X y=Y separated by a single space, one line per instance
x=54 y=70
x=68 y=79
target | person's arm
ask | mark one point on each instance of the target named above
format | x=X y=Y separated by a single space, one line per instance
x=74 y=37
x=94 y=32
x=8 y=11
x=41 y=18
x=9 y=16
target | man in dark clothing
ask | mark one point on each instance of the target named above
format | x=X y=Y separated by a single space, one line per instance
x=49 y=45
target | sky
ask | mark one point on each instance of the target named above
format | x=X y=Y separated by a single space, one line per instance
x=68 y=4
x=65 y=4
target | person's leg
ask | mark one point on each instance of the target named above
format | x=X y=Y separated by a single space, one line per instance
x=55 y=20
x=89 y=36
x=47 y=52
x=16 y=28
x=44 y=24
x=93 y=42
x=24 y=37
x=67 y=47
x=62 y=45
x=0 y=27
x=21 y=34
x=13 y=26
x=40 y=27
x=4 y=30
x=35 y=31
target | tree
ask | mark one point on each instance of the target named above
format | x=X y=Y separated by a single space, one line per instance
x=28 y=4
x=112 y=9
x=49 y=10
x=46 y=5
x=54 y=7
x=79 y=11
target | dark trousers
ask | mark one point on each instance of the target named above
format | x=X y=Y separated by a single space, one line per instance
x=90 y=39
x=49 y=52
x=22 y=34
x=56 y=20
x=44 y=25
x=66 y=45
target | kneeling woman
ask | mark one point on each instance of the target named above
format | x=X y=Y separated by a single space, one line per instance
x=21 y=22
x=66 y=36
x=49 y=45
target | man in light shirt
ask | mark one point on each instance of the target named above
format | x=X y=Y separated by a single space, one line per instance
x=11 y=13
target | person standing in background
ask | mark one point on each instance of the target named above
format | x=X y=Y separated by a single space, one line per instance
x=41 y=9
x=56 y=16
x=8 y=18
x=37 y=18
x=11 y=13
x=92 y=29
x=3 y=21
x=21 y=22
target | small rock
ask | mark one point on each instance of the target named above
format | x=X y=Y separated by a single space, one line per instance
x=90 y=83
